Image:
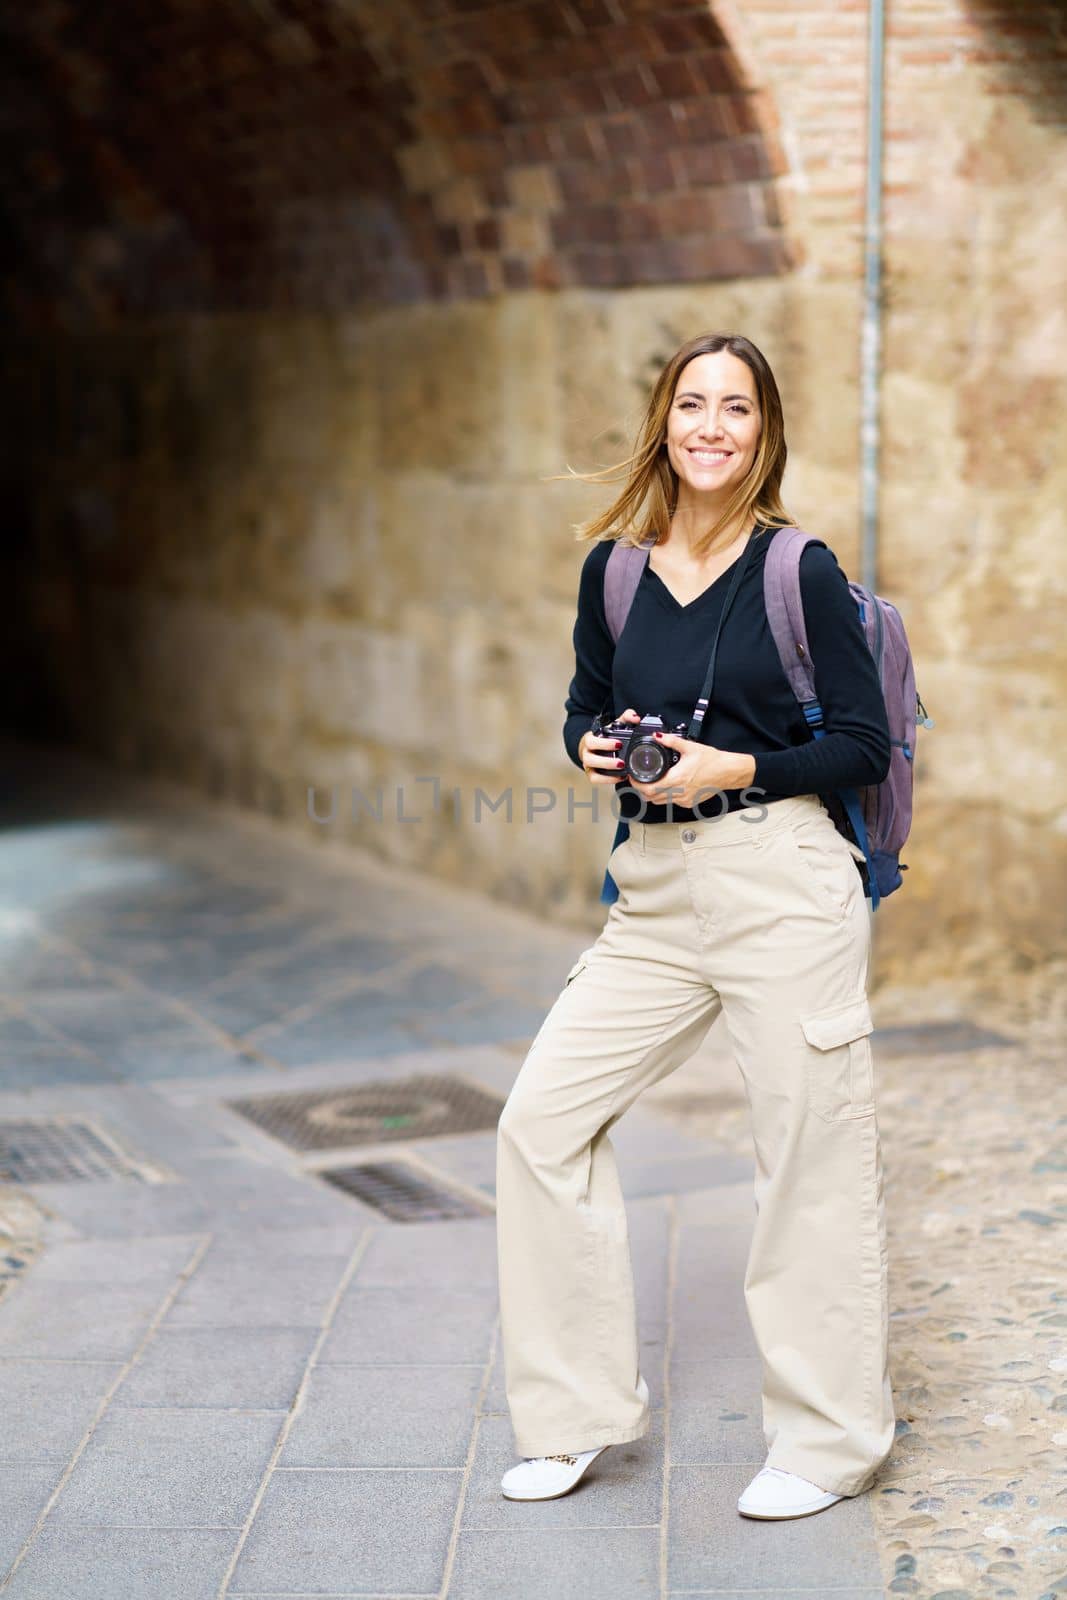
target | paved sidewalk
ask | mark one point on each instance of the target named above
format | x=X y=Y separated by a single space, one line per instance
x=223 y=1375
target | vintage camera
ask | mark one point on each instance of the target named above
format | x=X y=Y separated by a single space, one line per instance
x=646 y=759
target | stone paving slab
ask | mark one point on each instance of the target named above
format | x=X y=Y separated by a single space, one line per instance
x=572 y=1564
x=77 y=1321
x=375 y=1531
x=25 y=1489
x=413 y=1323
x=170 y=1468
x=716 y=1411
x=235 y=1287
x=94 y=1563
x=232 y=1368
x=825 y=1593
x=48 y=1405
x=385 y=1416
x=223 y=1201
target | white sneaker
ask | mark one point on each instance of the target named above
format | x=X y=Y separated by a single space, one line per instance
x=774 y=1492
x=547 y=1477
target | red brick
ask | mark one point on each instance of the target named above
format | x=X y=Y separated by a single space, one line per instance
x=593 y=225
x=674 y=78
x=454 y=80
x=579 y=184
x=573 y=141
x=703 y=120
x=475 y=280
x=658 y=260
x=631 y=87
x=567 y=229
x=714 y=70
x=591 y=13
x=639 y=220
x=680 y=35
x=705 y=163
x=516 y=273
x=686 y=213
x=545 y=273
x=772 y=210
x=602 y=268
x=655 y=173
x=487 y=234
x=528 y=143
x=475 y=156
x=712 y=256
x=750 y=157
x=659 y=124
x=587 y=95
x=624 y=133
x=497 y=190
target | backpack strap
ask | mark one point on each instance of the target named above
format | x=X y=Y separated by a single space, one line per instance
x=785 y=609
x=621 y=577
x=785 y=613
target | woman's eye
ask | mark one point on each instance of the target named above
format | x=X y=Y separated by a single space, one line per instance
x=691 y=405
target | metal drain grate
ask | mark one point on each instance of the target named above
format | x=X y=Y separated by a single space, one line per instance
x=931 y=1038
x=401 y=1193
x=373 y=1113
x=60 y=1150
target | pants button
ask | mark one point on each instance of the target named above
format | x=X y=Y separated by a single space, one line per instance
x=688 y=835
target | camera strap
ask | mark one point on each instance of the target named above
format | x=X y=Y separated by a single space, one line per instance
x=697 y=718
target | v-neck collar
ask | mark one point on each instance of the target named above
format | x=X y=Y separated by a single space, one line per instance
x=688 y=605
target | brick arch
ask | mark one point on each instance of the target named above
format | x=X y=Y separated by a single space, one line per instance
x=173 y=155
x=590 y=143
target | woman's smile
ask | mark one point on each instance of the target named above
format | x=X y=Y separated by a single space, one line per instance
x=713 y=431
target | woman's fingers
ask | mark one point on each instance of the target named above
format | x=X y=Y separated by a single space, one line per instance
x=600 y=758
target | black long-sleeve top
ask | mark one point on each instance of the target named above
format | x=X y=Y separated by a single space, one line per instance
x=662 y=656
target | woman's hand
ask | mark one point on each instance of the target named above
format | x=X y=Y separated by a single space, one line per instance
x=599 y=760
x=699 y=775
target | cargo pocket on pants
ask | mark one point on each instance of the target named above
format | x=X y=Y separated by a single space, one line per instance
x=840 y=1063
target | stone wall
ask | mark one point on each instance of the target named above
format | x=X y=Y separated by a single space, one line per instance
x=275 y=547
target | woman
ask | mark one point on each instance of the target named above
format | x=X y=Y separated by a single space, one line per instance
x=749 y=902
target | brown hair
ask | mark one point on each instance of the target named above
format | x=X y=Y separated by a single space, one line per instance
x=647 y=502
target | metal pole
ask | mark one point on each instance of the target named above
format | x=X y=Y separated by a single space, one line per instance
x=871 y=333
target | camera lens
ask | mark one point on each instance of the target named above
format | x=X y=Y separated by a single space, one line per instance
x=646 y=762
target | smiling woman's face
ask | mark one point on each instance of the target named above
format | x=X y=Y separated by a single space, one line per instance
x=713 y=426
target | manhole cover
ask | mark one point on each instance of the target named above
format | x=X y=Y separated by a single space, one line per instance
x=401 y=1193
x=373 y=1113
x=931 y=1038
x=59 y=1150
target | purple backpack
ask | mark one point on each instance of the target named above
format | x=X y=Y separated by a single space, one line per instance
x=877 y=817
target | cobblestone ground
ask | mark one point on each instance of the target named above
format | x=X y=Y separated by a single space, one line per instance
x=973 y=1501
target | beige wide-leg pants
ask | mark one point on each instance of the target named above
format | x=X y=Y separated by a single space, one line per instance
x=760 y=914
